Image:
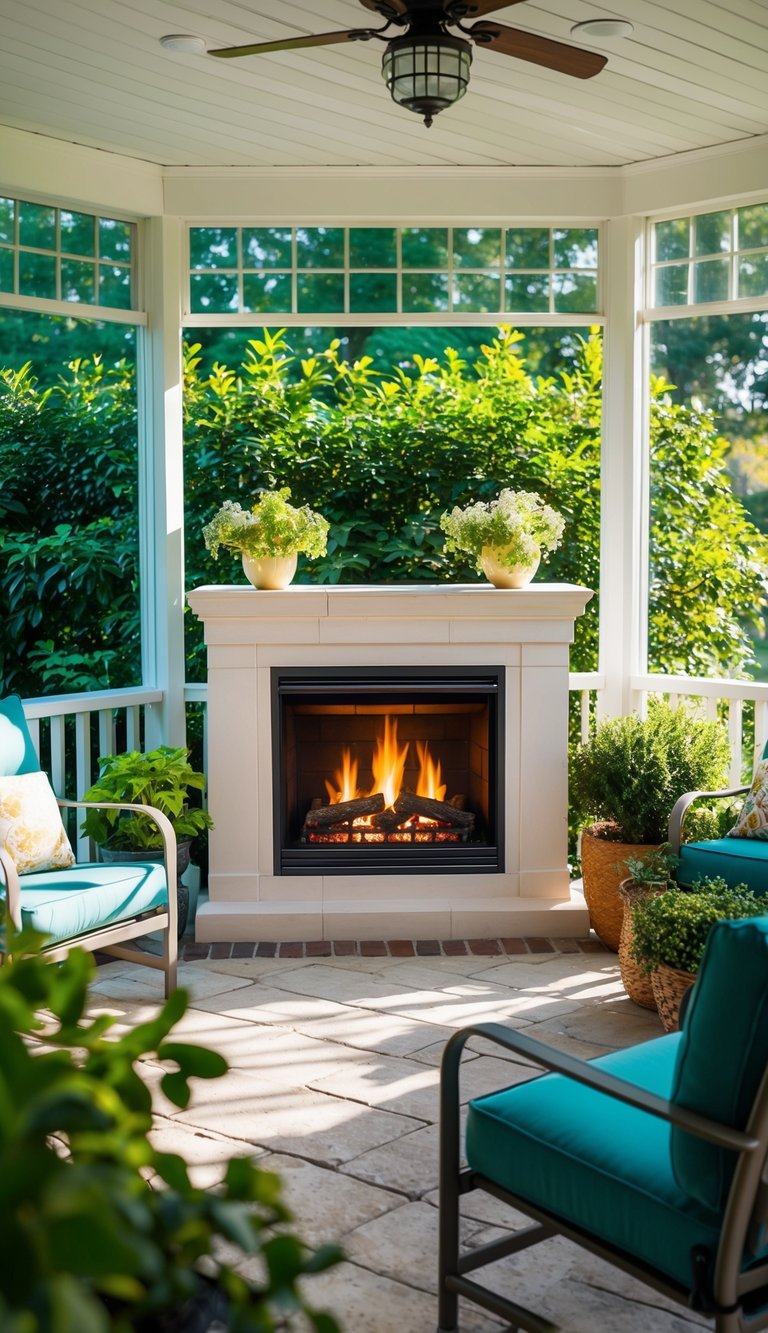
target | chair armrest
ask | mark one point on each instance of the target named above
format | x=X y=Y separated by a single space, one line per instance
x=583 y=1071
x=166 y=832
x=11 y=877
x=680 y=809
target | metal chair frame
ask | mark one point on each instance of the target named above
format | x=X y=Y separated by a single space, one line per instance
x=110 y=938
x=718 y=1285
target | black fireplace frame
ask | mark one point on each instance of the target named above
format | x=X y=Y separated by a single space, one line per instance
x=471 y=858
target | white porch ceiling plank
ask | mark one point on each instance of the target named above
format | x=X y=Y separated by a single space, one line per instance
x=692 y=76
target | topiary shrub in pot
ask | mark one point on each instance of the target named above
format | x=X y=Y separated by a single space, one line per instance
x=100 y=1232
x=670 y=932
x=163 y=778
x=624 y=782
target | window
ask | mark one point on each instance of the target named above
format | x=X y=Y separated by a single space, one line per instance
x=57 y=254
x=389 y=271
x=708 y=463
x=720 y=256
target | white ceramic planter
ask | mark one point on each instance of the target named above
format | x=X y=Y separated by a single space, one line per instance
x=502 y=576
x=273 y=572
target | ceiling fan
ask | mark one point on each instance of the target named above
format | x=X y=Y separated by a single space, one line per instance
x=426 y=69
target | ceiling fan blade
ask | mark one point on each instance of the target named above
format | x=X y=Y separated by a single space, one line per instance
x=472 y=9
x=537 y=50
x=294 y=43
x=388 y=8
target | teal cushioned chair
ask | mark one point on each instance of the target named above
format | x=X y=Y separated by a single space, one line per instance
x=652 y=1157
x=736 y=860
x=93 y=905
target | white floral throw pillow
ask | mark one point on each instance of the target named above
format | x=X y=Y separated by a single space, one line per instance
x=753 y=819
x=30 y=824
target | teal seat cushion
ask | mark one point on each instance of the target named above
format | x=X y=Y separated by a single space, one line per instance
x=723 y=1052
x=17 y=750
x=737 y=860
x=67 y=903
x=594 y=1161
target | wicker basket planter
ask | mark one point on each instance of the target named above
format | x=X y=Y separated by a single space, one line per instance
x=599 y=860
x=669 y=987
x=636 y=982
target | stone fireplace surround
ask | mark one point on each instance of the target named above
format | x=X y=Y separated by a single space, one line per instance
x=526 y=631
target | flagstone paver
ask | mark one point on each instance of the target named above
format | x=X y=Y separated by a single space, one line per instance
x=334 y=1054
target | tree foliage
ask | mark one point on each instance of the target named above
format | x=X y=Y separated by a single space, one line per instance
x=69 y=529
x=381 y=453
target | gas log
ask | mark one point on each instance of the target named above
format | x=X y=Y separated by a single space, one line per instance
x=408 y=803
x=343 y=811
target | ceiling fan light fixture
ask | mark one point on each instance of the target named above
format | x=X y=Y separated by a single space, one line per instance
x=426 y=74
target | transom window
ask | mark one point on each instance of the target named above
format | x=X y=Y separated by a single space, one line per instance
x=376 y=271
x=710 y=257
x=57 y=254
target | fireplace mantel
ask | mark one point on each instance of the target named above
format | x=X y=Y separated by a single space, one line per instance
x=524 y=631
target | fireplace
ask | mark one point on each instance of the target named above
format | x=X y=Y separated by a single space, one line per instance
x=473 y=677
x=395 y=770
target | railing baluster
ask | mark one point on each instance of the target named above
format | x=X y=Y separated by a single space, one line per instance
x=106 y=732
x=132 y=727
x=58 y=756
x=584 y=716
x=83 y=763
x=735 y=739
x=761 y=730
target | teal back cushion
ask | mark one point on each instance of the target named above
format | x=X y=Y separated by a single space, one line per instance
x=723 y=1052
x=17 y=751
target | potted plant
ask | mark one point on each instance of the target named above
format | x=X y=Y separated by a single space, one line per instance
x=648 y=875
x=101 y=1230
x=670 y=931
x=162 y=778
x=624 y=782
x=507 y=536
x=268 y=536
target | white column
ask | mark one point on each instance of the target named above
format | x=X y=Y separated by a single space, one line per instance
x=161 y=482
x=623 y=565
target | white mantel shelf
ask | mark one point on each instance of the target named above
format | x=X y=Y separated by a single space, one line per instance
x=525 y=631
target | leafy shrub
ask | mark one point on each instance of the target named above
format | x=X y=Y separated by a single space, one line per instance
x=99 y=1231
x=672 y=927
x=632 y=769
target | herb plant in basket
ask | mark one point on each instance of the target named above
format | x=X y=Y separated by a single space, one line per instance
x=624 y=782
x=670 y=932
x=648 y=875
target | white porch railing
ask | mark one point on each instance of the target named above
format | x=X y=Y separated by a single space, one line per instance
x=743 y=702
x=71 y=730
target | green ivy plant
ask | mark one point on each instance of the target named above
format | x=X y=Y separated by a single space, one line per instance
x=631 y=770
x=163 y=778
x=99 y=1231
x=672 y=927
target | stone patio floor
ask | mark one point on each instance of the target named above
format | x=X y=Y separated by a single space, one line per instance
x=334 y=1065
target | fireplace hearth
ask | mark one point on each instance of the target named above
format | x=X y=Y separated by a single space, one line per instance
x=309 y=686
x=395 y=770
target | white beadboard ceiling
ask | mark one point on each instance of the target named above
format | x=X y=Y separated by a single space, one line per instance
x=693 y=75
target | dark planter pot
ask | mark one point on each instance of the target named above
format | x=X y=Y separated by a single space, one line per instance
x=114 y=855
x=208 y=1311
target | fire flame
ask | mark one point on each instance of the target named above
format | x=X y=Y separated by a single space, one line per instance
x=388 y=766
x=346 y=788
x=429 y=783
